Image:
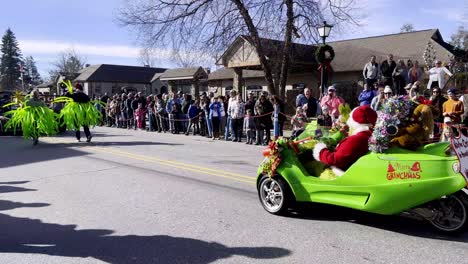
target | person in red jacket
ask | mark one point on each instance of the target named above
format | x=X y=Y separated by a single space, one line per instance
x=361 y=122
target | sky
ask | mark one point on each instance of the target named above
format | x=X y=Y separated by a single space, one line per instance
x=47 y=27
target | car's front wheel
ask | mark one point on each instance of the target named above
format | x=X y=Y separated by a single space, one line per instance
x=275 y=195
x=451 y=213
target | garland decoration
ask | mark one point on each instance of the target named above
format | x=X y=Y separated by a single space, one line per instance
x=395 y=113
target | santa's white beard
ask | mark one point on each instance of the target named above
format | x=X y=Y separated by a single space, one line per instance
x=355 y=127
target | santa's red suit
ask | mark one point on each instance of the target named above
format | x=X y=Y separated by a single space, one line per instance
x=361 y=121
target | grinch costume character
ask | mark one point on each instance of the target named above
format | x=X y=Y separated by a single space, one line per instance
x=34 y=118
x=79 y=111
x=361 y=121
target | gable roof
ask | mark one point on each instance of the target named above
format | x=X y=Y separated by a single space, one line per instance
x=183 y=74
x=353 y=54
x=228 y=74
x=301 y=53
x=117 y=73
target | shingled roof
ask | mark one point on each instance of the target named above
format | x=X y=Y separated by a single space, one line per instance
x=228 y=74
x=353 y=54
x=117 y=73
x=183 y=74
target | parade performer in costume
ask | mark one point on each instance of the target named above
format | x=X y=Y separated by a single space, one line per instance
x=79 y=111
x=34 y=118
x=361 y=121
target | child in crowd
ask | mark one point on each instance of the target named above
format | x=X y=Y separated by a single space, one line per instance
x=325 y=119
x=140 y=115
x=249 y=127
x=193 y=114
x=447 y=131
x=298 y=122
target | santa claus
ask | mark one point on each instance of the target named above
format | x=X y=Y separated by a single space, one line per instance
x=361 y=122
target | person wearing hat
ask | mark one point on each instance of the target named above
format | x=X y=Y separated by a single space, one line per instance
x=332 y=102
x=361 y=123
x=453 y=107
x=464 y=100
x=437 y=75
x=383 y=97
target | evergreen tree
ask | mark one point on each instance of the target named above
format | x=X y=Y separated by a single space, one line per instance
x=31 y=75
x=10 y=61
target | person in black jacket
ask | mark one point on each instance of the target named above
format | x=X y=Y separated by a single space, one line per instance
x=386 y=69
x=79 y=97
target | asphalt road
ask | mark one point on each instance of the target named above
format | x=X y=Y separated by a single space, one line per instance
x=139 y=197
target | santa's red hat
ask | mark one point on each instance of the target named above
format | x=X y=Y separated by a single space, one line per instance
x=362 y=118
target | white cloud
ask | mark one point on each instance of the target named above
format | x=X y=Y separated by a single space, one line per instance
x=448 y=13
x=47 y=47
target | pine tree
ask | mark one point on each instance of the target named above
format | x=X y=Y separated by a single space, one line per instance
x=10 y=61
x=32 y=76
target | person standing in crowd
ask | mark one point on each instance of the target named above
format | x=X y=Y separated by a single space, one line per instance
x=453 y=107
x=215 y=115
x=308 y=103
x=250 y=104
x=438 y=101
x=151 y=113
x=123 y=111
x=209 y=124
x=129 y=109
x=464 y=100
x=278 y=116
x=400 y=75
x=409 y=65
x=249 y=127
x=437 y=76
x=325 y=120
x=366 y=96
x=371 y=72
x=332 y=102
x=414 y=73
x=233 y=97
x=298 y=122
x=160 y=110
x=140 y=114
x=135 y=103
x=386 y=69
x=378 y=101
x=236 y=110
x=193 y=114
x=263 y=111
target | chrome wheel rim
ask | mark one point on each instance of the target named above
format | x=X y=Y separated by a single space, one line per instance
x=450 y=214
x=272 y=195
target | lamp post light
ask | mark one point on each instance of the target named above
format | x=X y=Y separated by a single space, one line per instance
x=324 y=32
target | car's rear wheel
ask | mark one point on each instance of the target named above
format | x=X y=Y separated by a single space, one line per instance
x=451 y=213
x=275 y=195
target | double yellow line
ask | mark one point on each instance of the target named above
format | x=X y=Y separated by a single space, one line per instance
x=174 y=164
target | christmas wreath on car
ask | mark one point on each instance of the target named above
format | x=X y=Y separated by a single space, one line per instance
x=324 y=53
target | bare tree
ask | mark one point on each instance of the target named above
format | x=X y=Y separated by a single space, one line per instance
x=67 y=63
x=210 y=26
x=148 y=57
x=407 y=27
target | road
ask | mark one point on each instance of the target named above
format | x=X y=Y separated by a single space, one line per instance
x=139 y=197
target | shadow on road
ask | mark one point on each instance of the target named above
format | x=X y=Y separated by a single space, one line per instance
x=9 y=205
x=10 y=189
x=24 y=235
x=32 y=236
x=16 y=151
x=393 y=223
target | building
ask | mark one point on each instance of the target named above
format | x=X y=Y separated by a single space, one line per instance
x=242 y=69
x=188 y=80
x=106 y=78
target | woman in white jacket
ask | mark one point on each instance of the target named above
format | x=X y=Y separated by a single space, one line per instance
x=437 y=75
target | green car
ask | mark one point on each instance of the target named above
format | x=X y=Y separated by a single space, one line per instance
x=425 y=183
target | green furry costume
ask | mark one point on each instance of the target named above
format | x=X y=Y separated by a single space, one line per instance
x=78 y=114
x=33 y=117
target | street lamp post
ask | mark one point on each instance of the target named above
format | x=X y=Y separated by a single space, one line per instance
x=324 y=32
